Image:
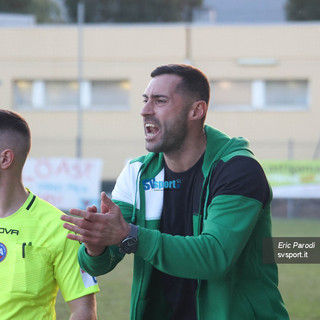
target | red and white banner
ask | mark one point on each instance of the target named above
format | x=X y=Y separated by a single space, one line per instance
x=64 y=182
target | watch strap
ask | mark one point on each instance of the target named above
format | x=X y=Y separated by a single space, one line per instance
x=129 y=244
x=133 y=231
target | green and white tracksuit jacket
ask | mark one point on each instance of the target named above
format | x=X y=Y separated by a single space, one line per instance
x=225 y=252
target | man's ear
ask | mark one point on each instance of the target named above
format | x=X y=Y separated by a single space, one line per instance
x=6 y=158
x=198 y=110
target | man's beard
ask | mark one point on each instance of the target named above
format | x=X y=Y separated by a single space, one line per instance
x=173 y=136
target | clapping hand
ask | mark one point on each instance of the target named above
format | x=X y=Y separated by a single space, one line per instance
x=97 y=230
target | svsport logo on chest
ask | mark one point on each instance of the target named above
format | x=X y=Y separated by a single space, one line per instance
x=3 y=251
x=154 y=184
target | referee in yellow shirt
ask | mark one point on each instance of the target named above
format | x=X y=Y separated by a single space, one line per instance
x=36 y=258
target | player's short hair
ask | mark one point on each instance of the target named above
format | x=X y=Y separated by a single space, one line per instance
x=194 y=81
x=13 y=123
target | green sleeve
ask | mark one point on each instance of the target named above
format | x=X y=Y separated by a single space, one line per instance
x=226 y=231
x=111 y=256
x=97 y=266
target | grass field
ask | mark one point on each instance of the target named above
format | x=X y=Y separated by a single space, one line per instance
x=299 y=283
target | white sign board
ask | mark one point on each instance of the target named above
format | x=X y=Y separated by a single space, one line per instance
x=294 y=178
x=64 y=182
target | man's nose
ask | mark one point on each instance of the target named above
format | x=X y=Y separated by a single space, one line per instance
x=147 y=109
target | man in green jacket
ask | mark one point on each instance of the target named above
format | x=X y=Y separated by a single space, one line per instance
x=194 y=211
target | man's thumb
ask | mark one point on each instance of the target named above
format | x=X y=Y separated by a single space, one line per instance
x=106 y=203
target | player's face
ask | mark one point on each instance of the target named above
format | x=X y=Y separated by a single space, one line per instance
x=164 y=115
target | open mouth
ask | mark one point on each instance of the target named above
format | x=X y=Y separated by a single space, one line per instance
x=151 y=129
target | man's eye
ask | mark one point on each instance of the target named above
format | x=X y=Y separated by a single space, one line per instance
x=160 y=101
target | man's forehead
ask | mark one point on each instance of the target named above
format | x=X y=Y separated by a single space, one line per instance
x=163 y=84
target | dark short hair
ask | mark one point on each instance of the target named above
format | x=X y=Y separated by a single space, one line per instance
x=12 y=122
x=193 y=81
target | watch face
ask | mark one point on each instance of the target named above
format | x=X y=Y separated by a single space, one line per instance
x=128 y=245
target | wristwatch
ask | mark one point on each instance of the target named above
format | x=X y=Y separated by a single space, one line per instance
x=130 y=243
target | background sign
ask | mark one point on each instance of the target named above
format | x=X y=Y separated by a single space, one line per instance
x=294 y=178
x=65 y=182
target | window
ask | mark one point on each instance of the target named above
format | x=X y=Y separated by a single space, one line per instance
x=259 y=94
x=22 y=91
x=110 y=93
x=286 y=93
x=231 y=93
x=63 y=94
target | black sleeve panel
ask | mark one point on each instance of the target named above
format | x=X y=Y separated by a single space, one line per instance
x=240 y=176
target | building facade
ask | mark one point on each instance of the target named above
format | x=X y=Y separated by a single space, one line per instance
x=265 y=85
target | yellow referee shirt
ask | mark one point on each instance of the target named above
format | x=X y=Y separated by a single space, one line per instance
x=36 y=259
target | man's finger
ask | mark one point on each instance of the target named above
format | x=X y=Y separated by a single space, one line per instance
x=70 y=219
x=80 y=213
x=74 y=228
x=83 y=239
x=69 y=227
x=106 y=202
x=74 y=222
x=75 y=237
x=87 y=215
x=92 y=209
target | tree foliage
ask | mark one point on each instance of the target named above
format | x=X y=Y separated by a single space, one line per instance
x=44 y=10
x=15 y=6
x=303 y=10
x=134 y=10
